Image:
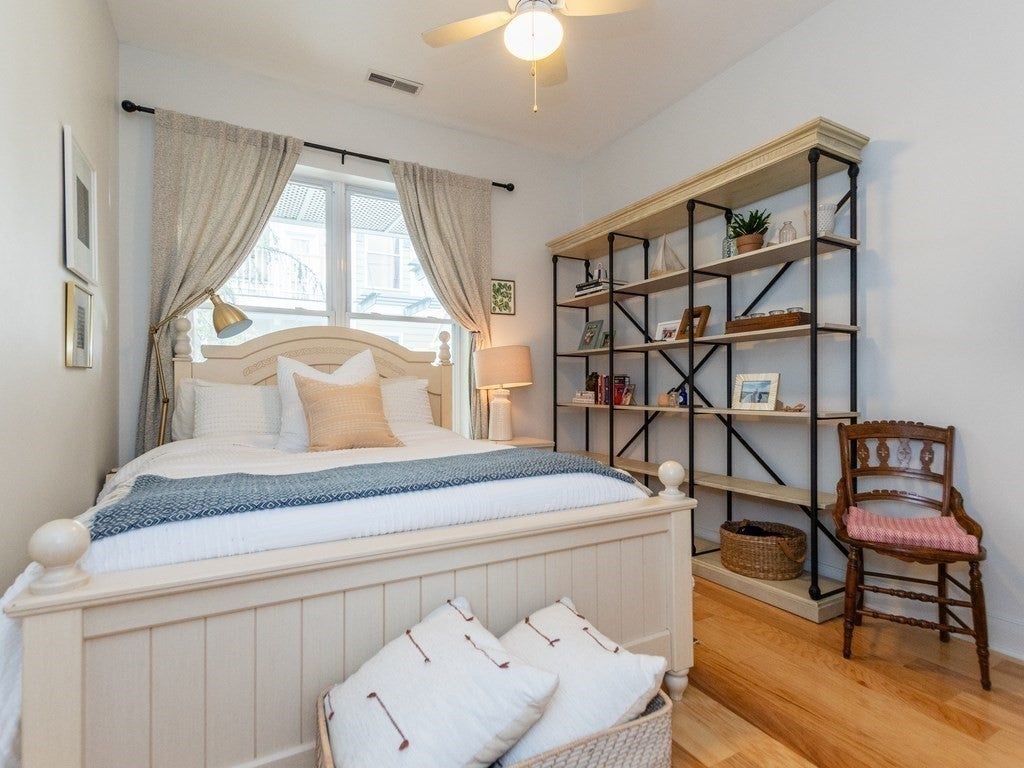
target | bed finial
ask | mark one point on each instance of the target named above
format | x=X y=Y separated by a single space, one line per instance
x=58 y=546
x=672 y=475
x=444 y=352
x=182 y=338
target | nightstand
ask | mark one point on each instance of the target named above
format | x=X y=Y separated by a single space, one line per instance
x=539 y=443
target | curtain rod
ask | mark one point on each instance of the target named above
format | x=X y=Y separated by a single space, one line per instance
x=131 y=106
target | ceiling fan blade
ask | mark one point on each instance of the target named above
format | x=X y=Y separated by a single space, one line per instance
x=602 y=7
x=552 y=70
x=458 y=31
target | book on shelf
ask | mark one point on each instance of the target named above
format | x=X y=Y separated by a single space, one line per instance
x=584 y=397
x=595 y=286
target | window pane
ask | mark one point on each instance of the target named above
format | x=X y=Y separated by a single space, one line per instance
x=418 y=336
x=288 y=266
x=386 y=277
x=262 y=322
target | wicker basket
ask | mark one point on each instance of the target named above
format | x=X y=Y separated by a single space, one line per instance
x=764 y=557
x=645 y=742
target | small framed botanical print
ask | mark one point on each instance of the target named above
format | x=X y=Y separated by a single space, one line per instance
x=80 y=222
x=503 y=297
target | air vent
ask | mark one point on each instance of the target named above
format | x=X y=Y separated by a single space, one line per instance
x=399 y=84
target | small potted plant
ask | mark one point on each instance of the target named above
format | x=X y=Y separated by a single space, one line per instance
x=749 y=229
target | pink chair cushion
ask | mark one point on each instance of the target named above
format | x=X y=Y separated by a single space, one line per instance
x=934 y=532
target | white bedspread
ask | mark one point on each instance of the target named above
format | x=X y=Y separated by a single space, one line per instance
x=274 y=529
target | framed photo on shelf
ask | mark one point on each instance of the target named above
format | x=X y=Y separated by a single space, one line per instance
x=666 y=331
x=503 y=297
x=699 y=317
x=78 y=327
x=606 y=339
x=80 y=222
x=755 y=391
x=591 y=336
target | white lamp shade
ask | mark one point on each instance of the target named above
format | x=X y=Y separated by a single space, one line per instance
x=503 y=367
x=534 y=33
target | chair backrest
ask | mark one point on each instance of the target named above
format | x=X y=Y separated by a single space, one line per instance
x=920 y=456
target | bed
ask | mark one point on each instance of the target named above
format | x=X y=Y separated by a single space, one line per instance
x=218 y=661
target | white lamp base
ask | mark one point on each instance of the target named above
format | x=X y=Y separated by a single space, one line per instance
x=500 y=426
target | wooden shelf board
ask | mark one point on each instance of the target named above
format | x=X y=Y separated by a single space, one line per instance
x=774 y=167
x=790 y=332
x=760 y=490
x=789 y=595
x=751 y=488
x=590 y=300
x=703 y=411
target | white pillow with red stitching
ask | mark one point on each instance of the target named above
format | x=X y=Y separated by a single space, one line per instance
x=599 y=684
x=464 y=707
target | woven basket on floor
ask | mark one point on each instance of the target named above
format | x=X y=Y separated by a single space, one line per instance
x=764 y=557
x=645 y=742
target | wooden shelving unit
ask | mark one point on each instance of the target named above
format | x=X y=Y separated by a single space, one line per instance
x=798 y=159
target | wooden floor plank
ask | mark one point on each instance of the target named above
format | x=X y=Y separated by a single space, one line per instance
x=771 y=689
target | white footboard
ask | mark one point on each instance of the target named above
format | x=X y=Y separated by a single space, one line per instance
x=219 y=662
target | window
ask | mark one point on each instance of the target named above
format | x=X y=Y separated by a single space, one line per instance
x=333 y=254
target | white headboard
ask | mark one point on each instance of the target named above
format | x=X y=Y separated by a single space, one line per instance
x=324 y=348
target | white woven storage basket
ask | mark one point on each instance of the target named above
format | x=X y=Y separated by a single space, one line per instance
x=645 y=742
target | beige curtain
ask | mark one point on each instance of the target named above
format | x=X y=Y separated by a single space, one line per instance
x=449 y=222
x=214 y=188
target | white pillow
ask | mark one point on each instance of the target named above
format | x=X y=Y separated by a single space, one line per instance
x=463 y=707
x=598 y=687
x=183 y=420
x=235 y=409
x=294 y=433
x=406 y=399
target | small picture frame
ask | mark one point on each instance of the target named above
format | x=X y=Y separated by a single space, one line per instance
x=591 y=336
x=699 y=317
x=78 y=326
x=503 y=297
x=80 y=219
x=606 y=339
x=755 y=391
x=666 y=331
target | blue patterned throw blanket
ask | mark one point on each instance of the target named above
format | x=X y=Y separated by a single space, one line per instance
x=155 y=499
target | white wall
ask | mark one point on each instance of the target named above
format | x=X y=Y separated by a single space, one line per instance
x=544 y=203
x=937 y=88
x=59 y=425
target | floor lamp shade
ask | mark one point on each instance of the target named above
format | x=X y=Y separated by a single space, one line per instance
x=499 y=369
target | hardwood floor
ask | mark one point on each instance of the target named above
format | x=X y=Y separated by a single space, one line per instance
x=770 y=689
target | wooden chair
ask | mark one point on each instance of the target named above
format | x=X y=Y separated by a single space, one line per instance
x=903 y=454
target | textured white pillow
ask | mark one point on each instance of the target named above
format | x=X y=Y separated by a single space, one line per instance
x=235 y=409
x=406 y=399
x=598 y=686
x=294 y=434
x=463 y=707
x=183 y=420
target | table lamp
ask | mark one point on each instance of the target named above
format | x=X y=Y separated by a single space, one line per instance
x=498 y=369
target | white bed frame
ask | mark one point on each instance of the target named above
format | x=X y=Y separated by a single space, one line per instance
x=218 y=662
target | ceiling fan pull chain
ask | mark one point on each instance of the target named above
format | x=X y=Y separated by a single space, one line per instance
x=533 y=74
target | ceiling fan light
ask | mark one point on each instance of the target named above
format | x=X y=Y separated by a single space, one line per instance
x=534 y=33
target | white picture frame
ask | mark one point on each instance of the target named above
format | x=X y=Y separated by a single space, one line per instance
x=78 y=326
x=80 y=216
x=666 y=330
x=755 y=391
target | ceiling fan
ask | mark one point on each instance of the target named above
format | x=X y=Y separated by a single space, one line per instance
x=532 y=29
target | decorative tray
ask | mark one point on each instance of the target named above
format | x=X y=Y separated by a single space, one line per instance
x=784 y=320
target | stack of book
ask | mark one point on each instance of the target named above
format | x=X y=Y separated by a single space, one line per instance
x=584 y=397
x=595 y=286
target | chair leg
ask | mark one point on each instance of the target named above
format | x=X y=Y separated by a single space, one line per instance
x=943 y=594
x=858 y=619
x=980 y=623
x=850 y=599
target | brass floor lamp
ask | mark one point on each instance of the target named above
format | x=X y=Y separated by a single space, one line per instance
x=228 y=321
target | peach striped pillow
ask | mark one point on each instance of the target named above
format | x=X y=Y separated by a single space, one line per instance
x=343 y=416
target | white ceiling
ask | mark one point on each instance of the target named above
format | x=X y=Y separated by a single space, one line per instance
x=623 y=69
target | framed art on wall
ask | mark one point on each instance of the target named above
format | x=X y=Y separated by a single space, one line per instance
x=503 y=297
x=80 y=220
x=78 y=327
